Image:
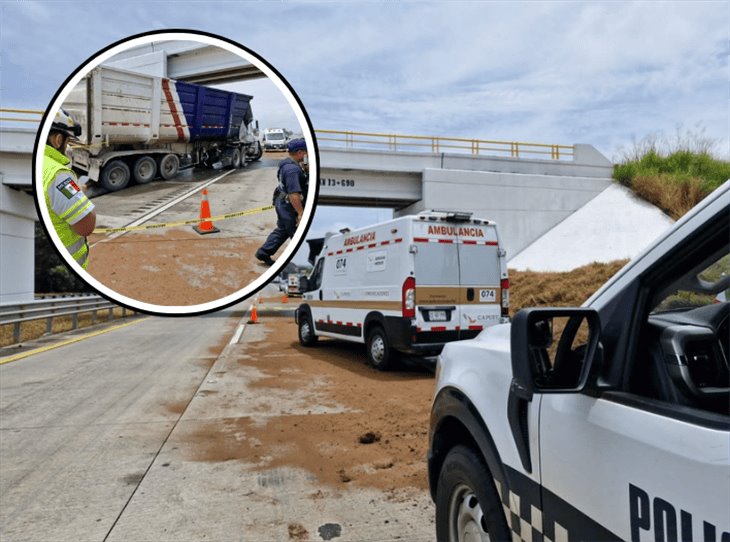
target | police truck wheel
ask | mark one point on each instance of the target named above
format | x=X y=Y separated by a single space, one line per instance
x=115 y=175
x=468 y=508
x=168 y=166
x=236 y=159
x=379 y=352
x=145 y=169
x=306 y=331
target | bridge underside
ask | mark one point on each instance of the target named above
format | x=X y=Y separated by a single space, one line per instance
x=188 y=61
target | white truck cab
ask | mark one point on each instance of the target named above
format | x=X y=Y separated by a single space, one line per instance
x=410 y=284
x=605 y=422
x=275 y=139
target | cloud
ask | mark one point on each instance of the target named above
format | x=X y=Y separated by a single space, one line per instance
x=603 y=73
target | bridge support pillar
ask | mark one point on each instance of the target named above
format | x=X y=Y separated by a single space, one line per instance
x=17 y=245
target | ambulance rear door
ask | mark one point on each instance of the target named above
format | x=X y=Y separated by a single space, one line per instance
x=436 y=267
x=479 y=277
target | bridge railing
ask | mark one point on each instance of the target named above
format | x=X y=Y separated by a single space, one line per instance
x=438 y=144
x=8 y=115
x=16 y=314
x=394 y=142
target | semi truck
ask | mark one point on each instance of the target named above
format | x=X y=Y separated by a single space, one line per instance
x=139 y=126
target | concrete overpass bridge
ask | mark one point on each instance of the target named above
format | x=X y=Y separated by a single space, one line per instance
x=527 y=188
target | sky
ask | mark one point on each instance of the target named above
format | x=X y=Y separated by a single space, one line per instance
x=602 y=73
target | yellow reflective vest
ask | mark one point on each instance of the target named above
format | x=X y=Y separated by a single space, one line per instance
x=54 y=163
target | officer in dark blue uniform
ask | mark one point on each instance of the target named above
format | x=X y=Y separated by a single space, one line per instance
x=289 y=199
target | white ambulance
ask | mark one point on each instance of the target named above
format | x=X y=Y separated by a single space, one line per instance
x=410 y=284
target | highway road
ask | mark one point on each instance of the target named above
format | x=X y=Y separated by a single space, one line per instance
x=80 y=425
x=167 y=429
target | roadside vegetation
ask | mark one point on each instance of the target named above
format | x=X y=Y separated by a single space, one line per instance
x=673 y=175
x=51 y=273
x=554 y=289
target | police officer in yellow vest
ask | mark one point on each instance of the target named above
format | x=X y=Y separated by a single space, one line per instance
x=72 y=213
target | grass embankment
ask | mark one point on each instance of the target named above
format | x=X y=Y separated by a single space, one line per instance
x=675 y=181
x=566 y=289
x=37 y=328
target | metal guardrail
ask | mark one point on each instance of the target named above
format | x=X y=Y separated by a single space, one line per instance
x=16 y=314
x=437 y=144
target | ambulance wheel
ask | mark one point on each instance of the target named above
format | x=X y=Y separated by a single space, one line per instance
x=168 y=166
x=380 y=355
x=145 y=169
x=306 y=331
x=236 y=159
x=115 y=175
x=467 y=504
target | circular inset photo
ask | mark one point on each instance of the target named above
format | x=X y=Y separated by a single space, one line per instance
x=172 y=172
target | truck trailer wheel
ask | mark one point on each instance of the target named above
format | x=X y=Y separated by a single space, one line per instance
x=145 y=169
x=306 y=331
x=467 y=504
x=115 y=175
x=168 y=166
x=380 y=355
x=235 y=159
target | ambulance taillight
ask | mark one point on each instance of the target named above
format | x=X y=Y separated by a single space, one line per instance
x=504 y=284
x=409 y=298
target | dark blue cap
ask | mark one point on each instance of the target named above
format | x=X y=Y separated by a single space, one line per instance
x=296 y=145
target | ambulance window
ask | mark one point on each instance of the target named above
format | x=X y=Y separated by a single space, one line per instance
x=479 y=265
x=437 y=263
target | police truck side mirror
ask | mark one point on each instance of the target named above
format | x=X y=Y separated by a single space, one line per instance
x=553 y=349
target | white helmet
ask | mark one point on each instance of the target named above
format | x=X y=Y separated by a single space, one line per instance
x=64 y=123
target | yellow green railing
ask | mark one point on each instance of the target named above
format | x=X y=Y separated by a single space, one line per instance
x=394 y=142
x=21 y=115
x=438 y=144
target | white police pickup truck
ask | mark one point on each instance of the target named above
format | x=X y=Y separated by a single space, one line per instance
x=605 y=422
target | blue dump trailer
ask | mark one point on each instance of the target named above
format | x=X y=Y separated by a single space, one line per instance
x=140 y=127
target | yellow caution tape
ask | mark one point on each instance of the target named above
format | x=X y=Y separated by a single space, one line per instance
x=185 y=222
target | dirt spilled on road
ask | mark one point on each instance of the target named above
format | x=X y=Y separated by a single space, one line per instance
x=175 y=268
x=378 y=438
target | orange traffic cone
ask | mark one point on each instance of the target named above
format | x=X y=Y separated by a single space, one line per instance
x=284 y=298
x=205 y=226
x=254 y=317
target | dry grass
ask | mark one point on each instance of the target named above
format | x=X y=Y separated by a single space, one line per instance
x=37 y=328
x=567 y=289
x=673 y=197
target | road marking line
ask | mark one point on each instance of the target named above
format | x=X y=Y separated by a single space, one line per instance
x=22 y=355
x=237 y=335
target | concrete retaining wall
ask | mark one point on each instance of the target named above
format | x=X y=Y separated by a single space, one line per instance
x=525 y=206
